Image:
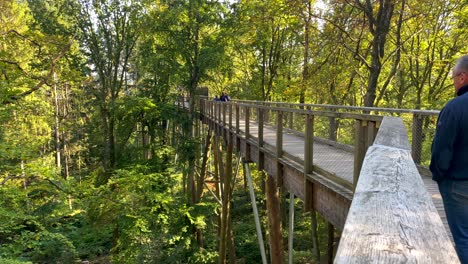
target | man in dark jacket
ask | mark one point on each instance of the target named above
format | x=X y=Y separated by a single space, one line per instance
x=224 y=97
x=449 y=161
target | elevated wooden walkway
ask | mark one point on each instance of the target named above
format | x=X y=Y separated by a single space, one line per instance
x=321 y=172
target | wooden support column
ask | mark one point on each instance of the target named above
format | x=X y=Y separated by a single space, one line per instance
x=274 y=221
x=331 y=240
x=416 y=139
x=315 y=241
x=279 y=148
x=308 y=160
x=308 y=186
x=360 y=140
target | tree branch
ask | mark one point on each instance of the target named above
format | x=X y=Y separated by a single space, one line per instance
x=43 y=80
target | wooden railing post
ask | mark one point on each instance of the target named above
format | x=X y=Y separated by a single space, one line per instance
x=247 y=133
x=371 y=133
x=308 y=160
x=219 y=119
x=416 y=139
x=224 y=124
x=332 y=128
x=279 y=148
x=212 y=114
x=274 y=221
x=247 y=122
x=230 y=122
x=260 y=154
x=359 y=148
x=260 y=127
x=237 y=127
x=291 y=122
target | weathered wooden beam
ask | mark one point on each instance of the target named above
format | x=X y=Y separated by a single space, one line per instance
x=392 y=218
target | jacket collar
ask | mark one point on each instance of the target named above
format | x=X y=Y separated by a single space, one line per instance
x=462 y=90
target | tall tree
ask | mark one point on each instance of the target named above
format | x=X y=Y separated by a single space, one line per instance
x=109 y=30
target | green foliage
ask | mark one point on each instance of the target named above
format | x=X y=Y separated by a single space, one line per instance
x=25 y=238
x=117 y=193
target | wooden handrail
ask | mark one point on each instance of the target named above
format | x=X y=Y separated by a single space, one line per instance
x=392 y=218
x=337 y=107
x=421 y=119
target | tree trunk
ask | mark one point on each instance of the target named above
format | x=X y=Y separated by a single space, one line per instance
x=305 y=70
x=58 y=162
x=379 y=27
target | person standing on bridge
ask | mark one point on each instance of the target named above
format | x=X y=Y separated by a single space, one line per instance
x=224 y=97
x=449 y=160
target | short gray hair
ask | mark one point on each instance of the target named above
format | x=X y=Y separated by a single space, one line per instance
x=462 y=64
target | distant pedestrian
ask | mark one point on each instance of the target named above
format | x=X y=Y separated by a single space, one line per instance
x=216 y=98
x=449 y=161
x=224 y=97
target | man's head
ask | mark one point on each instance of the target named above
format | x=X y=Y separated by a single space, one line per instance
x=460 y=73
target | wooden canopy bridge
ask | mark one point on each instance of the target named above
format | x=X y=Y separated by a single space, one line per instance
x=353 y=165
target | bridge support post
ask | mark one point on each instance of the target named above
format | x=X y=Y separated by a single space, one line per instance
x=274 y=221
x=315 y=242
x=308 y=160
x=308 y=185
x=331 y=240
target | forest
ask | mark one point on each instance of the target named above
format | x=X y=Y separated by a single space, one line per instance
x=97 y=164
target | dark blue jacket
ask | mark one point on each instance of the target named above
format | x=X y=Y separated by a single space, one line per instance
x=450 y=146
